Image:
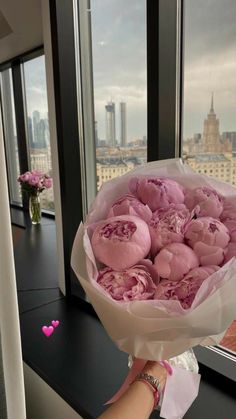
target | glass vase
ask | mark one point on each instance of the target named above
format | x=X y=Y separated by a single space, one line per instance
x=35 y=209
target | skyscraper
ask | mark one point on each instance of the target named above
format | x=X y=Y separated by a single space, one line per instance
x=36 y=119
x=96 y=132
x=30 y=132
x=123 y=125
x=211 y=132
x=110 y=124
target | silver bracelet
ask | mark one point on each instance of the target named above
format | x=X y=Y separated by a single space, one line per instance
x=151 y=380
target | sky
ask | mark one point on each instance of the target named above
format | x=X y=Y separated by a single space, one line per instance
x=119 y=64
x=35 y=86
x=209 y=63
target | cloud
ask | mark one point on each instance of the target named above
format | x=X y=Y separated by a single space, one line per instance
x=210 y=63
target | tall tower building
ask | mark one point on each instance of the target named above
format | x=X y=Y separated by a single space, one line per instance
x=96 y=133
x=110 y=124
x=123 y=125
x=35 y=120
x=30 y=132
x=211 y=132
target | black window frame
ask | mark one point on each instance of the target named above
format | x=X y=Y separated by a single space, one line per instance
x=15 y=64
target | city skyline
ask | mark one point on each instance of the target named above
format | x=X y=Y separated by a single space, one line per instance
x=119 y=62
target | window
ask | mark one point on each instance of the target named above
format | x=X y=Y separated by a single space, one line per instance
x=11 y=145
x=120 y=86
x=209 y=131
x=37 y=122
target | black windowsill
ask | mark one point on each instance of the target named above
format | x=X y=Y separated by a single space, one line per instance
x=79 y=361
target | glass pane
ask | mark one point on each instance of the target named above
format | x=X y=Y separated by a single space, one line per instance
x=120 y=85
x=9 y=127
x=37 y=123
x=209 y=134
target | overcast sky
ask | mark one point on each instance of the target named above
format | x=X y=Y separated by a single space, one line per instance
x=119 y=64
x=210 y=63
x=35 y=85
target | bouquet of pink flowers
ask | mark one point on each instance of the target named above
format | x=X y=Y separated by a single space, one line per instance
x=34 y=182
x=156 y=258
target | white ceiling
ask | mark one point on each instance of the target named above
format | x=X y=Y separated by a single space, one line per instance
x=24 y=19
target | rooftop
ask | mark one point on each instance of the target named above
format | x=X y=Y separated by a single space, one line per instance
x=210 y=157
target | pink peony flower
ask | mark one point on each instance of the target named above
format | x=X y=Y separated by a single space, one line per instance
x=24 y=177
x=168 y=226
x=157 y=192
x=207 y=230
x=230 y=252
x=120 y=242
x=209 y=255
x=174 y=261
x=37 y=173
x=229 y=210
x=210 y=203
x=34 y=181
x=135 y=283
x=130 y=205
x=185 y=290
x=231 y=226
x=47 y=182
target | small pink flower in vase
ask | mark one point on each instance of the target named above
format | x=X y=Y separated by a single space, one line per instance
x=32 y=184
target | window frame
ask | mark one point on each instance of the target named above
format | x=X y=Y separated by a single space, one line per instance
x=16 y=66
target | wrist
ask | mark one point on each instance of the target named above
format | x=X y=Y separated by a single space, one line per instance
x=153 y=384
x=157 y=371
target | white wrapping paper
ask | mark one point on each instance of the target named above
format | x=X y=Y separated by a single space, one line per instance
x=152 y=329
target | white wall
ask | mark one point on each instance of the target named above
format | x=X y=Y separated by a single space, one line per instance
x=42 y=402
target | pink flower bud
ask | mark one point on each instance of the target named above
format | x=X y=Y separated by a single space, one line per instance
x=174 y=261
x=210 y=203
x=157 y=192
x=130 y=205
x=24 y=177
x=208 y=254
x=47 y=182
x=121 y=242
x=230 y=252
x=229 y=210
x=231 y=226
x=207 y=230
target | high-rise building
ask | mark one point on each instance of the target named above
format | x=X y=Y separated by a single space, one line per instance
x=123 y=125
x=30 y=132
x=229 y=140
x=41 y=143
x=110 y=124
x=36 y=119
x=96 y=133
x=211 y=132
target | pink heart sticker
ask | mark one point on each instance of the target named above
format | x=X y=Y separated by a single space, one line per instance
x=48 y=330
x=55 y=323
